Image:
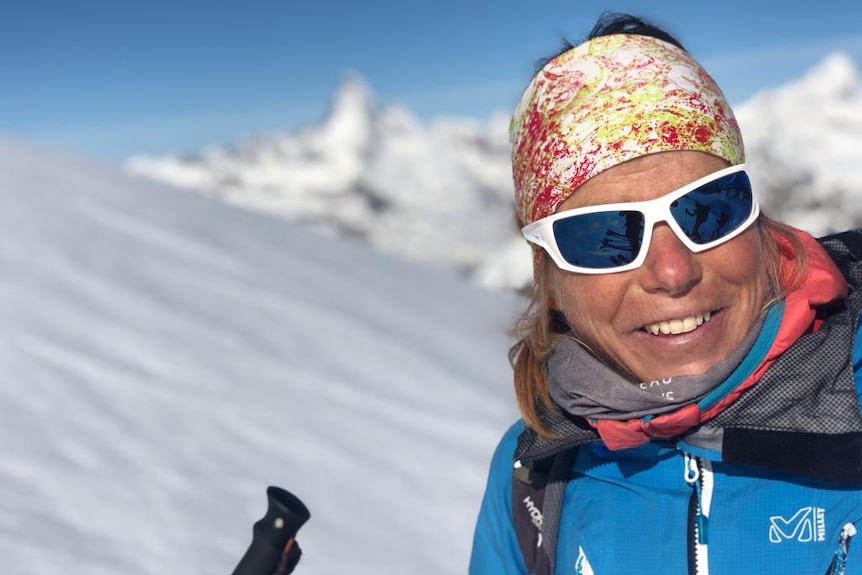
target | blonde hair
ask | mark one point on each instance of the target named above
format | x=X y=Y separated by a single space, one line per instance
x=540 y=326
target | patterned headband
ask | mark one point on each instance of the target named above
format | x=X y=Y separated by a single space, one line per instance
x=612 y=99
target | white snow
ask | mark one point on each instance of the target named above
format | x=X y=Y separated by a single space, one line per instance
x=166 y=357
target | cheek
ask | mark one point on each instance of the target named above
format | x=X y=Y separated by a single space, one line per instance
x=741 y=261
x=588 y=302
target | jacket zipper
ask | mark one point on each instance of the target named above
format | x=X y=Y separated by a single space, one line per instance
x=698 y=475
x=839 y=560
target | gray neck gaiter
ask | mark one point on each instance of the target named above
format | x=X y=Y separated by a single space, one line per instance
x=582 y=385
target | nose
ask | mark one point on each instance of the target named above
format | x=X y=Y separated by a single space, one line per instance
x=670 y=267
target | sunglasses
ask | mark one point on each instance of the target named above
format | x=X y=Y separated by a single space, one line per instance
x=611 y=238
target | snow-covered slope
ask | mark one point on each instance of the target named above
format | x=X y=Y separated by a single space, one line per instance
x=166 y=357
x=442 y=192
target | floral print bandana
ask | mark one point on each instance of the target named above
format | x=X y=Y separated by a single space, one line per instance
x=612 y=99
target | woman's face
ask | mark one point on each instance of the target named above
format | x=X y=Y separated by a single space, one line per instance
x=616 y=314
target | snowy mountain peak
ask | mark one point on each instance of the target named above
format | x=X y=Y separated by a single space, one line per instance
x=836 y=76
x=351 y=113
x=804 y=147
x=833 y=80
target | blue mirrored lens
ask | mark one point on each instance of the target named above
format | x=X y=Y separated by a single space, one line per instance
x=602 y=240
x=713 y=210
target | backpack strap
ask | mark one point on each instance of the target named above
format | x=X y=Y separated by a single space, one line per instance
x=538 y=488
x=845 y=248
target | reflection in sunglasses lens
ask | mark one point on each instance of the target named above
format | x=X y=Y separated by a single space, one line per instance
x=714 y=210
x=600 y=240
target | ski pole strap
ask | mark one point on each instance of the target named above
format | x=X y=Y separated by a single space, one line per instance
x=289 y=558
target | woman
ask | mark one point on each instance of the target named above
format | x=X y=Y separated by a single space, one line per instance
x=685 y=371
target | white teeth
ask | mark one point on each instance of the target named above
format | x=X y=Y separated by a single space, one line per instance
x=676 y=326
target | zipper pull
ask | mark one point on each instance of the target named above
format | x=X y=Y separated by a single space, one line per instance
x=691 y=473
x=839 y=560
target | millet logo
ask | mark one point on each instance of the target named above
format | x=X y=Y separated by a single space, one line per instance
x=806 y=525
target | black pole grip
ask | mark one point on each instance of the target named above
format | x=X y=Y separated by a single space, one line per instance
x=285 y=514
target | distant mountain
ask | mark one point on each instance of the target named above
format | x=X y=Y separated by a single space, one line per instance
x=804 y=147
x=441 y=191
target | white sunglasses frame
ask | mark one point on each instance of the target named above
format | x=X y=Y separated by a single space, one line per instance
x=541 y=232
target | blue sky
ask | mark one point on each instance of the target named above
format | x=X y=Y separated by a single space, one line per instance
x=108 y=78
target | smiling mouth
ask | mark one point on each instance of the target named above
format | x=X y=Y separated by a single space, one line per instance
x=677 y=326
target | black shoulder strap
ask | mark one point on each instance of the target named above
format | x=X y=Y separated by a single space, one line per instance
x=537 y=502
x=845 y=248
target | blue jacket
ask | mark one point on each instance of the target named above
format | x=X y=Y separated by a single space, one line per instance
x=627 y=512
x=630 y=511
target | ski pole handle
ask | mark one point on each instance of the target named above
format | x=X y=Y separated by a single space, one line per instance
x=273 y=550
